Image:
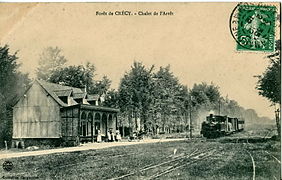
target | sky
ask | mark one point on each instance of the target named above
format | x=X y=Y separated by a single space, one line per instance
x=195 y=41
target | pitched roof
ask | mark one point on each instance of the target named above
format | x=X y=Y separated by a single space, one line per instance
x=92 y=97
x=79 y=95
x=58 y=87
x=63 y=92
x=49 y=88
x=57 y=90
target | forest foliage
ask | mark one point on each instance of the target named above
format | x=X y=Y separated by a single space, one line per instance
x=269 y=83
x=13 y=83
x=150 y=99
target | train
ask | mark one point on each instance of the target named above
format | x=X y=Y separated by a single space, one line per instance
x=217 y=126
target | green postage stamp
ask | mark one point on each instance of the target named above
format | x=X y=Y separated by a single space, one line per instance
x=256 y=28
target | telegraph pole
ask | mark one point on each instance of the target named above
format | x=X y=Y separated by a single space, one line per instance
x=190 y=116
x=219 y=107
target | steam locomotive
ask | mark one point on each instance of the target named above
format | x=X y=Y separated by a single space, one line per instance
x=217 y=126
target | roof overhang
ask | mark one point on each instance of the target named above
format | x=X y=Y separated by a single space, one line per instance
x=98 y=108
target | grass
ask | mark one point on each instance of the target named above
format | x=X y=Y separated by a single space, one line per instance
x=230 y=161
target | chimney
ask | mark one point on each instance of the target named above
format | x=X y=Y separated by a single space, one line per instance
x=85 y=88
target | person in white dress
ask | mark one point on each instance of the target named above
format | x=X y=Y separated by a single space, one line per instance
x=118 y=136
x=109 y=136
x=99 y=137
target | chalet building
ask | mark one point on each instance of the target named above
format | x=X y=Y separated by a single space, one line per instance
x=54 y=114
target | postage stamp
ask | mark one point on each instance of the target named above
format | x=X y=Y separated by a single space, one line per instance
x=256 y=28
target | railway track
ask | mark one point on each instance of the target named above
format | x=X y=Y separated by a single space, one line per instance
x=252 y=158
x=251 y=146
x=168 y=165
x=95 y=159
x=254 y=165
x=184 y=163
x=153 y=170
x=91 y=159
x=277 y=160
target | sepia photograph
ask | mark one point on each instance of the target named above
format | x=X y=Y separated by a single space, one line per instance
x=140 y=90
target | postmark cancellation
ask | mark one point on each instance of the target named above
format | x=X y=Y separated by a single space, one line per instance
x=253 y=27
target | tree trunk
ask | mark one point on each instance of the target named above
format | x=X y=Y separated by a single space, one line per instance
x=278 y=127
x=144 y=122
x=155 y=124
x=278 y=122
x=129 y=122
x=122 y=127
x=135 y=120
x=163 y=119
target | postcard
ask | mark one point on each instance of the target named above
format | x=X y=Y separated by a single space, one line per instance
x=131 y=90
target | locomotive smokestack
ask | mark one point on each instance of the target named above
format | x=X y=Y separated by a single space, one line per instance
x=211 y=112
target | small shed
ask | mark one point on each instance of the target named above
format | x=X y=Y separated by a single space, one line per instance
x=54 y=114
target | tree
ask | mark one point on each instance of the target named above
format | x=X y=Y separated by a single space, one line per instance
x=13 y=84
x=75 y=76
x=112 y=99
x=204 y=98
x=135 y=92
x=269 y=83
x=162 y=102
x=169 y=100
x=251 y=115
x=101 y=86
x=204 y=94
x=232 y=108
x=50 y=61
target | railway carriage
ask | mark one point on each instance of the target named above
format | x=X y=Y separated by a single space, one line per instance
x=241 y=125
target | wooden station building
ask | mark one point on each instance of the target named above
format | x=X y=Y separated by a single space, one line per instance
x=54 y=114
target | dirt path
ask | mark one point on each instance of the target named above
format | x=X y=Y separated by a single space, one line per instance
x=84 y=147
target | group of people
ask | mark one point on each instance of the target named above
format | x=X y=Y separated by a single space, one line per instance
x=111 y=136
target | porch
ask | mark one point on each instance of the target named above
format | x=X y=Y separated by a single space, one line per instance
x=94 y=119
